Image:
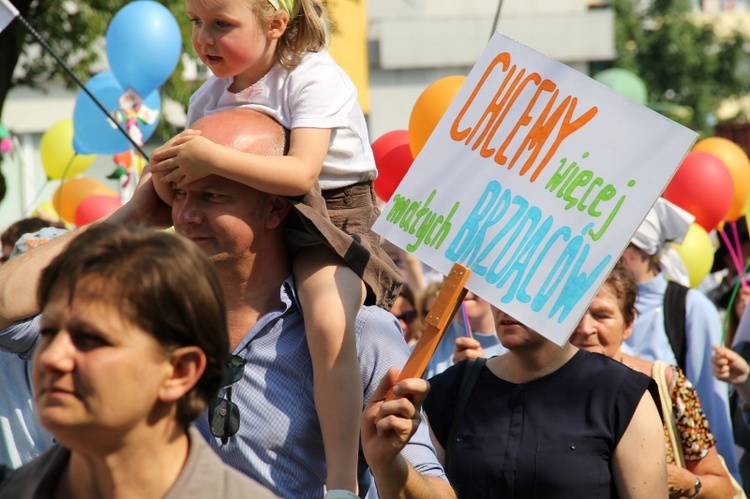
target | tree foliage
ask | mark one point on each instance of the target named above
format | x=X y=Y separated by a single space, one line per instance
x=680 y=57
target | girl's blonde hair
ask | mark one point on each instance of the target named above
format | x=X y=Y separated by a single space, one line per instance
x=306 y=32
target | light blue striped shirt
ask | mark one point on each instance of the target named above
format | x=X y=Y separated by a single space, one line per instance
x=279 y=443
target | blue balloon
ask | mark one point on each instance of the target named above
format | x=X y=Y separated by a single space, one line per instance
x=93 y=132
x=143 y=45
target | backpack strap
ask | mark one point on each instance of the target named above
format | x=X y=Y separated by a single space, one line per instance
x=675 y=299
x=471 y=374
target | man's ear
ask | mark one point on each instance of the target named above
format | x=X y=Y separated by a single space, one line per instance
x=188 y=364
x=279 y=210
x=278 y=25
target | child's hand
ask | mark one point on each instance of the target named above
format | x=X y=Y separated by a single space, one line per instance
x=184 y=159
x=729 y=366
x=162 y=189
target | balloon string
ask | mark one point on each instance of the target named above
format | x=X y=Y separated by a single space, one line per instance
x=732 y=254
x=730 y=306
x=58 y=207
x=738 y=249
x=36 y=198
x=467 y=325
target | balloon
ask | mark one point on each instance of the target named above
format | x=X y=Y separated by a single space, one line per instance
x=738 y=164
x=703 y=187
x=94 y=132
x=95 y=207
x=429 y=108
x=45 y=210
x=393 y=159
x=57 y=154
x=143 y=45
x=6 y=145
x=69 y=195
x=625 y=83
x=697 y=253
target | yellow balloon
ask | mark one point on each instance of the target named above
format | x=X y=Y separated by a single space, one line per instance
x=58 y=157
x=697 y=253
x=429 y=108
x=738 y=164
x=46 y=210
x=69 y=195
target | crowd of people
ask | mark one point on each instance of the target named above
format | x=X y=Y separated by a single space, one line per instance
x=254 y=351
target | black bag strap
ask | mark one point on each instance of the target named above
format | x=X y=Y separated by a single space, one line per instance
x=675 y=299
x=471 y=374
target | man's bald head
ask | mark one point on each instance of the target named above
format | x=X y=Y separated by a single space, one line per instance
x=244 y=130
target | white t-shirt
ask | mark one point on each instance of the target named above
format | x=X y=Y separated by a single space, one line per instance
x=316 y=94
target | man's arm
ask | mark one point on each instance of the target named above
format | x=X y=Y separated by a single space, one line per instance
x=386 y=429
x=20 y=275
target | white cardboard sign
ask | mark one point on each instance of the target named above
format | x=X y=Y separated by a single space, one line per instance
x=535 y=179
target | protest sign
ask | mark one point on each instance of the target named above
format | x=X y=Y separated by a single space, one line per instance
x=535 y=179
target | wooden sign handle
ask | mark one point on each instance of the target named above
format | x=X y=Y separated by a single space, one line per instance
x=441 y=314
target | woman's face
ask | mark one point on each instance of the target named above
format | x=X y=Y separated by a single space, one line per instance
x=95 y=375
x=602 y=328
x=513 y=334
x=406 y=315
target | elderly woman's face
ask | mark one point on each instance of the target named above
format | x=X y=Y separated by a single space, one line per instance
x=602 y=328
x=96 y=376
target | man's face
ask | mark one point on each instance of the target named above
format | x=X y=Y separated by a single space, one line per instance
x=636 y=261
x=221 y=216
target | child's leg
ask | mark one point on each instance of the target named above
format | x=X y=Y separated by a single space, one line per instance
x=331 y=295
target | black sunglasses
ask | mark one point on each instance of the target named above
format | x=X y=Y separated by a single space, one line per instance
x=407 y=317
x=223 y=414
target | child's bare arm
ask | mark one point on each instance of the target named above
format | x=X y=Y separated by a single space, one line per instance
x=189 y=157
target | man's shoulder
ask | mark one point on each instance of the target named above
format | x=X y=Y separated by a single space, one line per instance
x=368 y=313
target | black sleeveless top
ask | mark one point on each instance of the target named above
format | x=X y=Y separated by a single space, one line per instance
x=551 y=437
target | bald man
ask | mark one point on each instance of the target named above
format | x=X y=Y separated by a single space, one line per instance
x=277 y=440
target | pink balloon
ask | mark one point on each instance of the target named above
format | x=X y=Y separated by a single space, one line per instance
x=95 y=207
x=703 y=187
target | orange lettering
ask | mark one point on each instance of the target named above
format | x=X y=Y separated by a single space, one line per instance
x=525 y=119
x=457 y=134
x=566 y=129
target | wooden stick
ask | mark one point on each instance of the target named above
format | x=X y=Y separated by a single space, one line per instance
x=447 y=303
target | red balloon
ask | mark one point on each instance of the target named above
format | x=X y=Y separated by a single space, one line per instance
x=95 y=207
x=393 y=159
x=702 y=186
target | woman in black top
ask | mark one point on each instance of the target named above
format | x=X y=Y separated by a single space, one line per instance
x=545 y=421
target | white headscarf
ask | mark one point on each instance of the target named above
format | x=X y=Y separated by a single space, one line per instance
x=665 y=223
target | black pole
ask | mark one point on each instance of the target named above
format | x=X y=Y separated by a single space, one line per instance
x=80 y=84
x=497 y=17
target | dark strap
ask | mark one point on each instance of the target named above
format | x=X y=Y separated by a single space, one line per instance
x=675 y=299
x=471 y=373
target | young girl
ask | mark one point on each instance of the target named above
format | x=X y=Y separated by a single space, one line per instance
x=269 y=55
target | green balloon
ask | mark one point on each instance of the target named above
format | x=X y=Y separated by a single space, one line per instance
x=4 y=133
x=624 y=82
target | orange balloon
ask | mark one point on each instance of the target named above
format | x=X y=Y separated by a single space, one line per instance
x=738 y=164
x=69 y=195
x=429 y=108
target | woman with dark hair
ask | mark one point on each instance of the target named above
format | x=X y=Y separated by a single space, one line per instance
x=132 y=350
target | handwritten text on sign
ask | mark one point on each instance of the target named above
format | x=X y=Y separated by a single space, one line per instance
x=535 y=179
